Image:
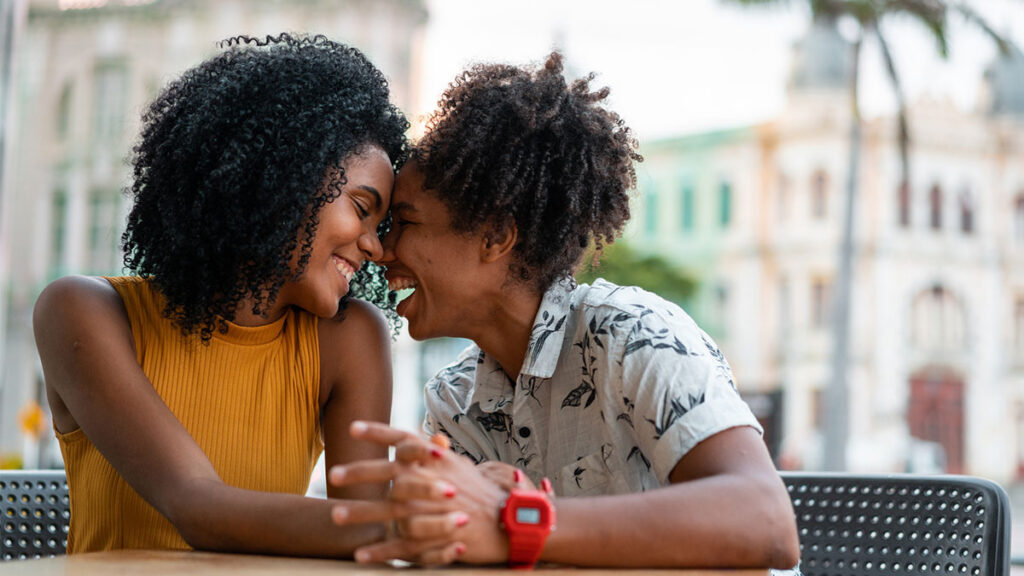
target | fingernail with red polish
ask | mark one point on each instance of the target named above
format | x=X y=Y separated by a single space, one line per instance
x=461 y=519
x=518 y=475
x=546 y=486
x=460 y=549
x=437 y=453
x=449 y=492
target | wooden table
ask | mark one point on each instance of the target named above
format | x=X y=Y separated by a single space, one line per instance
x=165 y=563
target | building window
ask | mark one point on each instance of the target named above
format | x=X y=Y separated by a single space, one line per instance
x=105 y=232
x=903 y=204
x=650 y=213
x=821 y=303
x=819 y=195
x=935 y=207
x=64 y=112
x=1018 y=219
x=938 y=321
x=687 y=208
x=967 y=212
x=110 y=100
x=58 y=233
x=724 y=204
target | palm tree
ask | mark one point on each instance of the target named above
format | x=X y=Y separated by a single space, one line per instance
x=869 y=14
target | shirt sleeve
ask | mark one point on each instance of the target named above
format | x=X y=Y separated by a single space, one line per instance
x=677 y=388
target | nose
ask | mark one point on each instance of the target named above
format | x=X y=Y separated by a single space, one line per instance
x=369 y=243
x=388 y=246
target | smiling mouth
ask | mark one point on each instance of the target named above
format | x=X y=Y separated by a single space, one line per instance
x=401 y=284
x=344 y=268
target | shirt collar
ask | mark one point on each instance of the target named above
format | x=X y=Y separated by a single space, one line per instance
x=493 y=389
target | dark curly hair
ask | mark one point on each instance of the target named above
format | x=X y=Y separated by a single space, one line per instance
x=230 y=169
x=511 y=144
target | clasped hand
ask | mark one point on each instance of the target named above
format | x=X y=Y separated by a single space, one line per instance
x=441 y=508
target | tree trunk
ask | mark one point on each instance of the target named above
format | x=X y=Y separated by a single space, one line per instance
x=837 y=397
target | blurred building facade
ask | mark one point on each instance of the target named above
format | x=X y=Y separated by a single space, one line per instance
x=84 y=71
x=937 y=335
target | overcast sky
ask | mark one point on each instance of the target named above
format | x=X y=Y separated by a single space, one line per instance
x=678 y=66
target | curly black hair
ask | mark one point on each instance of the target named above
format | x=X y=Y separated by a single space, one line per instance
x=230 y=168
x=512 y=144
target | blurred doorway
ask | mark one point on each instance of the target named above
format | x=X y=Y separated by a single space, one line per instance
x=935 y=412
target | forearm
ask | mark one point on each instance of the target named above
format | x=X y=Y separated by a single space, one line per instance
x=235 y=520
x=727 y=520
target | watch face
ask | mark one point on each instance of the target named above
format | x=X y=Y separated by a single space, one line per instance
x=526 y=515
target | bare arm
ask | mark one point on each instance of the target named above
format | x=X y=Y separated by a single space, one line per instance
x=726 y=507
x=94 y=382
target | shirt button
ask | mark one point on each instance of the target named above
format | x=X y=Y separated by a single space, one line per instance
x=524 y=432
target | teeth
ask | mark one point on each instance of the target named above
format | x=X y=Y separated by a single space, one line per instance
x=344 y=268
x=401 y=284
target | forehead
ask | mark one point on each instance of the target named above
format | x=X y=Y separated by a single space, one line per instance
x=410 y=195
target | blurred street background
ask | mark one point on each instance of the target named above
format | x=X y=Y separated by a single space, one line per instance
x=889 y=338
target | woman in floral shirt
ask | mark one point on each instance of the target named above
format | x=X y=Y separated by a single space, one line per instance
x=611 y=394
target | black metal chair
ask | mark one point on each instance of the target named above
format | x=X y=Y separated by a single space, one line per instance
x=885 y=525
x=36 y=512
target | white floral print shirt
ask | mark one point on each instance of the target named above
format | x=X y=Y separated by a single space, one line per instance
x=616 y=387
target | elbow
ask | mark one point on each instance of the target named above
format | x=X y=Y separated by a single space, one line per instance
x=194 y=516
x=782 y=542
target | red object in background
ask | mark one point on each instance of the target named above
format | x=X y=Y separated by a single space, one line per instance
x=935 y=412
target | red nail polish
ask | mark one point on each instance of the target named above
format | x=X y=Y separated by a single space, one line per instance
x=518 y=475
x=461 y=520
x=437 y=453
x=449 y=492
x=460 y=549
x=546 y=486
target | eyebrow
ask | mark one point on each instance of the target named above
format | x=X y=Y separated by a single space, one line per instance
x=402 y=207
x=376 y=195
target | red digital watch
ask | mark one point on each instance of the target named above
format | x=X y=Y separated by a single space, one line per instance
x=528 y=517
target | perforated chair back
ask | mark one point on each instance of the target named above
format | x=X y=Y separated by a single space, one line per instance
x=36 y=512
x=885 y=525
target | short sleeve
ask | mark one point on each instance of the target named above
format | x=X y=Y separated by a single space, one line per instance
x=677 y=388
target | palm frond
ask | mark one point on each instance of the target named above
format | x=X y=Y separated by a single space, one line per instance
x=972 y=17
x=930 y=13
x=901 y=105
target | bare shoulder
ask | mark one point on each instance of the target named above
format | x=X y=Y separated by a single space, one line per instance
x=355 y=349
x=360 y=326
x=74 y=299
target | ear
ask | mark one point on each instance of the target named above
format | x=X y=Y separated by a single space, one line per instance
x=498 y=241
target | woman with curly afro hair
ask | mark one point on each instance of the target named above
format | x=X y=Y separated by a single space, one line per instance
x=192 y=399
x=609 y=395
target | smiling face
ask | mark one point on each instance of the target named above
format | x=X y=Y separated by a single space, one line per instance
x=345 y=238
x=443 y=267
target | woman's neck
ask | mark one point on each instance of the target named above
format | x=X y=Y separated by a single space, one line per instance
x=504 y=331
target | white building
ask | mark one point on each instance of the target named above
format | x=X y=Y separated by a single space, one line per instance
x=84 y=71
x=937 y=334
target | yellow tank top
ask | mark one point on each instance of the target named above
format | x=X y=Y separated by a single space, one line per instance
x=250 y=399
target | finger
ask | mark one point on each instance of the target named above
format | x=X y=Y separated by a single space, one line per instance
x=367 y=511
x=409 y=550
x=413 y=450
x=347 y=512
x=378 y=433
x=500 y=473
x=441 y=556
x=433 y=526
x=363 y=472
x=418 y=487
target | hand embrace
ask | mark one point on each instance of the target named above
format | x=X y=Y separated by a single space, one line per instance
x=435 y=495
